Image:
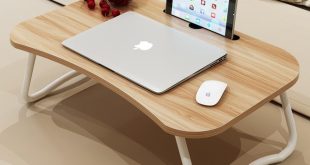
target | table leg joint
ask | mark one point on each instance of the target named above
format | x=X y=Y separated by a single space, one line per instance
x=45 y=90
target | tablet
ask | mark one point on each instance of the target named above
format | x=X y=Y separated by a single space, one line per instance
x=215 y=15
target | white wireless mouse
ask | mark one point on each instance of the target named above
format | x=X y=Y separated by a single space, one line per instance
x=210 y=92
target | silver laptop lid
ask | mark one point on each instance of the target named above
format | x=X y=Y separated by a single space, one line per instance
x=147 y=52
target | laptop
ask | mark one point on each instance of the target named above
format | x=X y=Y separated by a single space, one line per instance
x=151 y=54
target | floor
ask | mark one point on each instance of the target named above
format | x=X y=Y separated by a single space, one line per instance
x=84 y=125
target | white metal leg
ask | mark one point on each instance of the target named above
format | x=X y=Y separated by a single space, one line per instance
x=271 y=159
x=48 y=88
x=183 y=151
x=288 y=150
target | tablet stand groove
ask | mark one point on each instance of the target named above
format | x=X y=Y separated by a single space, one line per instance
x=194 y=26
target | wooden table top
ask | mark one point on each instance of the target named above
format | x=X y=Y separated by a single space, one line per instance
x=255 y=71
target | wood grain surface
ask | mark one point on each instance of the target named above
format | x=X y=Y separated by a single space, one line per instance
x=255 y=71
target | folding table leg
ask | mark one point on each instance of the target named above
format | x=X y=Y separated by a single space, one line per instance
x=48 y=88
x=270 y=159
x=288 y=150
x=183 y=150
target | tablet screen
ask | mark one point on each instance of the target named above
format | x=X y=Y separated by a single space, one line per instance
x=210 y=14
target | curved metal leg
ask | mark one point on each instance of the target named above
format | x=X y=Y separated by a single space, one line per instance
x=275 y=158
x=288 y=150
x=183 y=151
x=48 y=88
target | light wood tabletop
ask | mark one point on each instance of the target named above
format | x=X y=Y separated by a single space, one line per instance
x=255 y=71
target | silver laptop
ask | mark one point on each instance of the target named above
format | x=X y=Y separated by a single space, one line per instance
x=151 y=54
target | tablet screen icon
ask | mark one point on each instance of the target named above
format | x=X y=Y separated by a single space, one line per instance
x=213 y=6
x=191 y=7
x=203 y=2
x=213 y=15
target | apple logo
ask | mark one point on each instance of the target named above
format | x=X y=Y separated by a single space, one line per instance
x=143 y=45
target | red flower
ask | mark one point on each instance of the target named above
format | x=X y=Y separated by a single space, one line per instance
x=105 y=11
x=91 y=4
x=103 y=3
x=115 y=12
